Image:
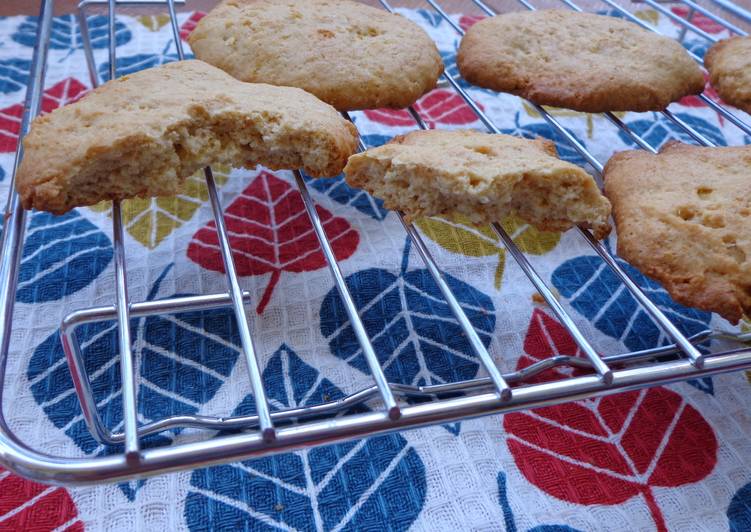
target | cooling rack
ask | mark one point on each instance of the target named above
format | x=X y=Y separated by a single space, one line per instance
x=393 y=406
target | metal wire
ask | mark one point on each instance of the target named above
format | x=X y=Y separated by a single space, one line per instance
x=680 y=20
x=502 y=387
x=122 y=302
x=301 y=426
x=724 y=22
x=735 y=9
x=654 y=312
x=737 y=122
x=357 y=326
x=233 y=282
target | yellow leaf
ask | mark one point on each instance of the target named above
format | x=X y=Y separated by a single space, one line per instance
x=649 y=16
x=529 y=238
x=154 y=22
x=560 y=111
x=459 y=236
x=151 y=220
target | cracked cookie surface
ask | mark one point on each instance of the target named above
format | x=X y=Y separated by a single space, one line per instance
x=143 y=134
x=482 y=177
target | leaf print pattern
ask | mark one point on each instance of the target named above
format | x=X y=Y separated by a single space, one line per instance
x=66 y=35
x=154 y=22
x=412 y=329
x=13 y=74
x=459 y=236
x=27 y=505
x=739 y=510
x=440 y=106
x=61 y=255
x=373 y=484
x=152 y=220
x=699 y=20
x=61 y=93
x=508 y=515
x=183 y=360
x=134 y=63
x=595 y=292
x=658 y=130
x=270 y=232
x=610 y=449
x=189 y=25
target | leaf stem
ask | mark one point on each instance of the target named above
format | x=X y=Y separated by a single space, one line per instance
x=654 y=509
x=269 y=290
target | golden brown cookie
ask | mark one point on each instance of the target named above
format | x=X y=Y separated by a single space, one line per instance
x=482 y=177
x=581 y=61
x=684 y=218
x=348 y=54
x=143 y=134
x=729 y=65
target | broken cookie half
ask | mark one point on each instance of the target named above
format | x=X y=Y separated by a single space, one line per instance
x=143 y=134
x=483 y=177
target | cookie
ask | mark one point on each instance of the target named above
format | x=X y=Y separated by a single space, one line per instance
x=580 y=61
x=348 y=54
x=729 y=65
x=143 y=134
x=684 y=218
x=482 y=177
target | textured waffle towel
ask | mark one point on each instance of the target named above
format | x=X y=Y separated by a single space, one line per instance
x=672 y=457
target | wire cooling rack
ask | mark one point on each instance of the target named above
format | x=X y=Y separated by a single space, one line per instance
x=396 y=406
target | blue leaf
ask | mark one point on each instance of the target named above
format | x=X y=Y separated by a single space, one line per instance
x=14 y=74
x=134 y=63
x=596 y=293
x=414 y=334
x=698 y=47
x=705 y=384
x=183 y=358
x=449 y=63
x=611 y=13
x=374 y=140
x=453 y=428
x=508 y=514
x=61 y=255
x=657 y=130
x=542 y=129
x=431 y=17
x=739 y=510
x=66 y=34
x=413 y=331
x=338 y=190
x=374 y=484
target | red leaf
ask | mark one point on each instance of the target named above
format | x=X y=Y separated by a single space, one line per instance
x=189 y=25
x=26 y=505
x=606 y=450
x=467 y=21
x=440 y=106
x=697 y=19
x=64 y=92
x=270 y=232
x=694 y=101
